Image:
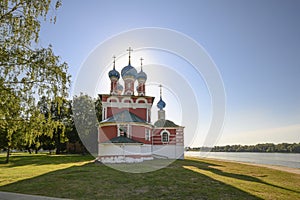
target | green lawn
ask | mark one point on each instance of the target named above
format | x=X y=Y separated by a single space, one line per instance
x=76 y=177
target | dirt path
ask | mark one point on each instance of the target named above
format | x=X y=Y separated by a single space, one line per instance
x=18 y=196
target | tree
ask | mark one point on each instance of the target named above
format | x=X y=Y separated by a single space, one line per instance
x=86 y=114
x=267 y=147
x=60 y=113
x=27 y=72
x=11 y=126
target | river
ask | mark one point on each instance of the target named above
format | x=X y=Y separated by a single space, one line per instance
x=282 y=159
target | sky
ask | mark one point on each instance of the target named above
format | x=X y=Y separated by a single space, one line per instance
x=254 y=44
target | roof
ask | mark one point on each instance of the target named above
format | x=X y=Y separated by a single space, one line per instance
x=124 y=116
x=122 y=139
x=165 y=123
x=128 y=71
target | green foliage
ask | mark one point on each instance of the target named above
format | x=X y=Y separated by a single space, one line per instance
x=27 y=73
x=87 y=113
x=20 y=20
x=267 y=147
x=58 y=112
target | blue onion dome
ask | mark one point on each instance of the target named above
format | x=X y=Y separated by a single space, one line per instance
x=119 y=87
x=141 y=75
x=114 y=73
x=161 y=104
x=128 y=71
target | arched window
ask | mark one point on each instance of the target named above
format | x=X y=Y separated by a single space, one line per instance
x=141 y=100
x=112 y=99
x=165 y=136
x=124 y=130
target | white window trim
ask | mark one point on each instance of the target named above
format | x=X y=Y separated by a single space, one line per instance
x=147 y=135
x=112 y=98
x=128 y=130
x=127 y=99
x=141 y=99
x=161 y=135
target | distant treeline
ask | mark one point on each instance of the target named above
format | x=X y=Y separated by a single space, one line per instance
x=268 y=147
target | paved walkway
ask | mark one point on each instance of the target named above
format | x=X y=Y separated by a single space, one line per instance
x=16 y=196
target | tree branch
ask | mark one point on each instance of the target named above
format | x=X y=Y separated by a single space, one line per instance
x=11 y=11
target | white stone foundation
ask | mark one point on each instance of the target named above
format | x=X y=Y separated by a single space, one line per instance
x=169 y=151
x=135 y=153
x=130 y=153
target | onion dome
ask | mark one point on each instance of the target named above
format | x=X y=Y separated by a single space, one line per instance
x=114 y=73
x=161 y=104
x=128 y=71
x=120 y=87
x=141 y=75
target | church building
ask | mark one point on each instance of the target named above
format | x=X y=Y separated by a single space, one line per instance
x=126 y=133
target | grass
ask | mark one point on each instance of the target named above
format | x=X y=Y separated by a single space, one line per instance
x=76 y=177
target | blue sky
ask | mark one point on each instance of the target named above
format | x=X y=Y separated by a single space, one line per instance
x=255 y=45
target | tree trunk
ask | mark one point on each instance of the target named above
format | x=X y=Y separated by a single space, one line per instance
x=7 y=155
x=58 y=142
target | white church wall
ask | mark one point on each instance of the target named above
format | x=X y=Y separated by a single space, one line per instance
x=168 y=151
x=179 y=151
x=113 y=149
x=132 y=149
x=146 y=149
x=110 y=149
x=130 y=153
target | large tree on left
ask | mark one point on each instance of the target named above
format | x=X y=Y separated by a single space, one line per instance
x=27 y=72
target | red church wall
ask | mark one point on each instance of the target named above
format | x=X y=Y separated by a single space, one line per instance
x=157 y=136
x=104 y=98
x=138 y=134
x=107 y=133
x=129 y=85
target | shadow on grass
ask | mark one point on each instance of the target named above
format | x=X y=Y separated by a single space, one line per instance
x=211 y=168
x=94 y=181
x=17 y=160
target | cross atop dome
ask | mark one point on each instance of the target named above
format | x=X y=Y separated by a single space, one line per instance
x=114 y=74
x=114 y=57
x=161 y=104
x=141 y=63
x=141 y=76
x=129 y=52
x=130 y=76
x=160 y=90
x=126 y=119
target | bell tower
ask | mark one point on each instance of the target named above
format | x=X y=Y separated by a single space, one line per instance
x=129 y=75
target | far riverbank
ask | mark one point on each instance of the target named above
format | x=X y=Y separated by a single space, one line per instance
x=290 y=160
